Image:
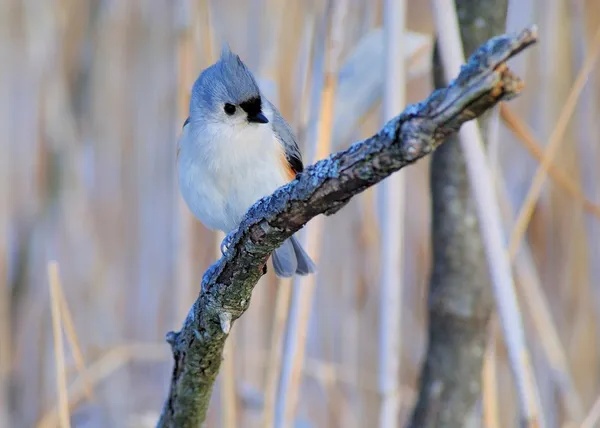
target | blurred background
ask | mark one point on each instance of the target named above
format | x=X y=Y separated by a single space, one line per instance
x=93 y=96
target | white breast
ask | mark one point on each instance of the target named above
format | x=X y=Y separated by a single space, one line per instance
x=224 y=169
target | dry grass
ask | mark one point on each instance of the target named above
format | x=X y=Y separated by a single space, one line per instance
x=534 y=147
x=97 y=92
x=59 y=351
x=556 y=138
x=491 y=401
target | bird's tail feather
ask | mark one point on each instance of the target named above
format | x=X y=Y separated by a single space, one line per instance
x=305 y=264
x=291 y=258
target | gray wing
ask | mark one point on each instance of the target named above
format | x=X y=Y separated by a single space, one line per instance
x=285 y=135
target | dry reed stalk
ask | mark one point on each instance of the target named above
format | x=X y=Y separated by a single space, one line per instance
x=326 y=119
x=324 y=371
x=360 y=104
x=197 y=36
x=534 y=147
x=392 y=224
x=299 y=316
x=592 y=418
x=73 y=341
x=107 y=364
x=335 y=408
x=361 y=89
x=491 y=401
x=7 y=44
x=59 y=352
x=325 y=140
x=452 y=55
x=116 y=358
x=5 y=327
x=229 y=405
x=282 y=299
x=6 y=346
x=369 y=237
x=185 y=260
x=555 y=139
x=303 y=287
x=75 y=194
x=538 y=307
x=493 y=140
x=306 y=65
x=204 y=15
x=270 y=41
x=286 y=51
x=284 y=286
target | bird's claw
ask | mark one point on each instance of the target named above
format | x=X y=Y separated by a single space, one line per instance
x=227 y=241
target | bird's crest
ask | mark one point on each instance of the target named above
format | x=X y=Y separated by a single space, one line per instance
x=238 y=79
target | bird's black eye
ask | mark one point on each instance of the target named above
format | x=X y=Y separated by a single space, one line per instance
x=229 y=109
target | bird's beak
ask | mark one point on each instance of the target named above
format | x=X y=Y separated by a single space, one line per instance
x=257 y=118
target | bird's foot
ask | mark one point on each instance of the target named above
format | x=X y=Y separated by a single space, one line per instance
x=227 y=241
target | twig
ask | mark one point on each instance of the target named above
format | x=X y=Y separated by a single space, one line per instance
x=490 y=225
x=533 y=146
x=59 y=351
x=393 y=193
x=554 y=143
x=323 y=188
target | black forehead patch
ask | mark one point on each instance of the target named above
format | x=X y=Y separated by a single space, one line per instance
x=252 y=105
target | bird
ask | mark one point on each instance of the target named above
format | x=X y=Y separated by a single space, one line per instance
x=234 y=149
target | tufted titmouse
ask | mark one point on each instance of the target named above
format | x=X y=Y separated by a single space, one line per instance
x=234 y=149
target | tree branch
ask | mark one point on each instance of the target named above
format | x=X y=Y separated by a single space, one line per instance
x=323 y=188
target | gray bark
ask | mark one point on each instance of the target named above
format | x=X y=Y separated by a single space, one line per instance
x=323 y=188
x=460 y=294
